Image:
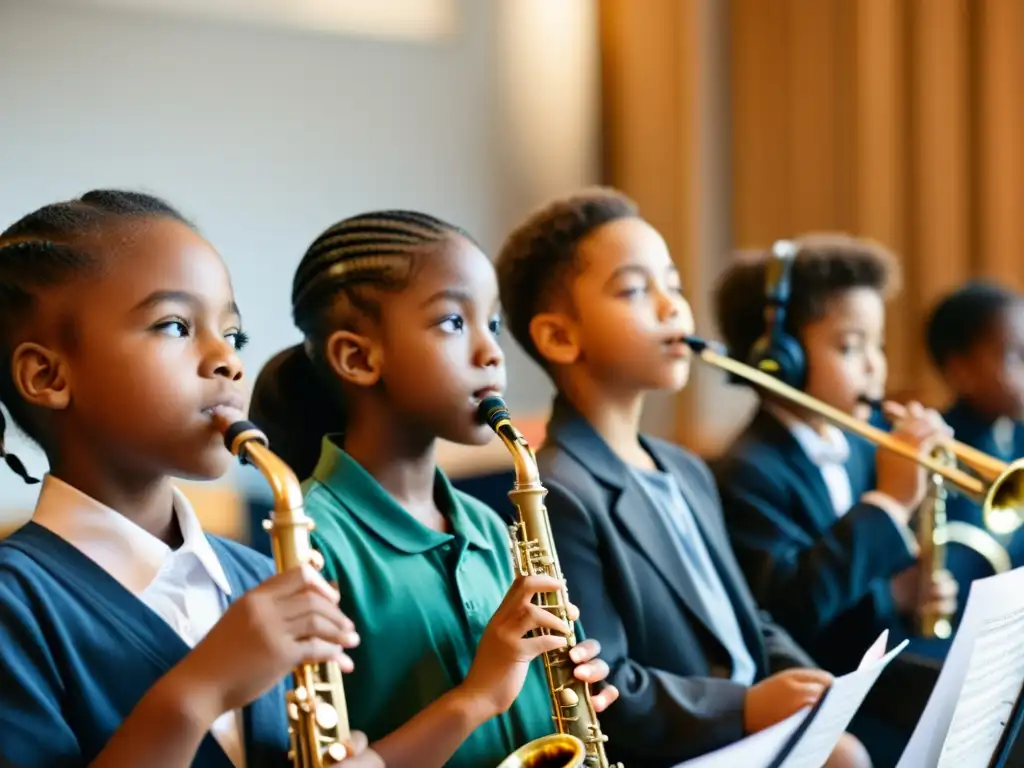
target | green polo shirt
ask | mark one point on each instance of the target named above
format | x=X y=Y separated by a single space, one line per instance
x=420 y=600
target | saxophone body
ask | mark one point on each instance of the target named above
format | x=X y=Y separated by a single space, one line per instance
x=932 y=537
x=533 y=553
x=317 y=715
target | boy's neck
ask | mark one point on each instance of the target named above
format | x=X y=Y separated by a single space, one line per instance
x=146 y=500
x=613 y=414
x=405 y=465
x=818 y=423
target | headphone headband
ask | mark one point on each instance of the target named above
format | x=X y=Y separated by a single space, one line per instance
x=776 y=352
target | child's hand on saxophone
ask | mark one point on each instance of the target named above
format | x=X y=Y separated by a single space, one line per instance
x=291 y=619
x=503 y=657
x=360 y=755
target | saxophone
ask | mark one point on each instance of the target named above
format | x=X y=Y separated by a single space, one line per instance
x=932 y=539
x=578 y=741
x=318 y=728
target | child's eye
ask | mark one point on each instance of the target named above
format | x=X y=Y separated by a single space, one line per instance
x=239 y=338
x=177 y=328
x=452 y=324
x=496 y=325
x=633 y=291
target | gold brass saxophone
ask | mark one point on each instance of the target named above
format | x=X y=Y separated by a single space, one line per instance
x=318 y=727
x=932 y=536
x=578 y=740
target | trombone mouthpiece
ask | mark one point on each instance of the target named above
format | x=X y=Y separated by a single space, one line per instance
x=870 y=401
x=698 y=345
x=492 y=410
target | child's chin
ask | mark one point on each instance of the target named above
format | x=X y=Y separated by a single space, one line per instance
x=675 y=380
x=207 y=465
x=481 y=435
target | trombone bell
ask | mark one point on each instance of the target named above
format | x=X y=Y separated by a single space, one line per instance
x=1003 y=510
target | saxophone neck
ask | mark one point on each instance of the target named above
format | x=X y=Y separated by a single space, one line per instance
x=523 y=457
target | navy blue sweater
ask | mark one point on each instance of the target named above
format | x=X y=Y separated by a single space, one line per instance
x=78 y=651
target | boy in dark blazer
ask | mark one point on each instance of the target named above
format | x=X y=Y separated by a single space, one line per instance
x=591 y=293
x=818 y=518
x=975 y=337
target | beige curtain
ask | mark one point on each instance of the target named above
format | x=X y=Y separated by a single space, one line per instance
x=901 y=120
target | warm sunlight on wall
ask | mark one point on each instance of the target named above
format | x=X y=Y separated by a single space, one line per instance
x=550 y=92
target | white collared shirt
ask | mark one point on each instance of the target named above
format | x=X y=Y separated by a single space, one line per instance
x=186 y=587
x=828 y=452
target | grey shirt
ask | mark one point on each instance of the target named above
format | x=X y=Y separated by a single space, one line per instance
x=663 y=492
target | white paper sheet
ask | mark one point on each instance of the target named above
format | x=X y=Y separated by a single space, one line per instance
x=993 y=606
x=844 y=698
x=876 y=652
x=754 y=751
x=990 y=691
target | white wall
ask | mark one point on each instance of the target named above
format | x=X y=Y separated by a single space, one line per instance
x=265 y=136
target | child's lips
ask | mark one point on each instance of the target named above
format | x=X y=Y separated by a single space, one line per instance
x=482 y=394
x=677 y=347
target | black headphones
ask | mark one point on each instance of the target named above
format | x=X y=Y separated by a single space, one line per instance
x=777 y=352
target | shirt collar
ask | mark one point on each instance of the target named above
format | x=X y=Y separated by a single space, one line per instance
x=832 y=447
x=131 y=555
x=363 y=497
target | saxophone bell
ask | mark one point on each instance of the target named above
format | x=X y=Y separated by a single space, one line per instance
x=318 y=727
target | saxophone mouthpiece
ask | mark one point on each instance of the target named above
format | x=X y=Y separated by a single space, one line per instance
x=238 y=433
x=492 y=411
x=698 y=345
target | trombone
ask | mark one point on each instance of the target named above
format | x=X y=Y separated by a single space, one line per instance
x=998 y=486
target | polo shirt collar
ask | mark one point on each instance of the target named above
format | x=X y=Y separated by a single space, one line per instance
x=364 y=498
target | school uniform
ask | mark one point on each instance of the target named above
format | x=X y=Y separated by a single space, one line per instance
x=1002 y=439
x=421 y=600
x=647 y=561
x=94 y=610
x=815 y=542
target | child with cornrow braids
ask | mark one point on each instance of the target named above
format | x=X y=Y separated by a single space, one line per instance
x=128 y=636
x=399 y=311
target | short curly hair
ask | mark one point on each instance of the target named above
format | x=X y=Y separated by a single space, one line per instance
x=540 y=255
x=964 y=317
x=825 y=266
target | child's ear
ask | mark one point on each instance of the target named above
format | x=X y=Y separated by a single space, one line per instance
x=555 y=337
x=40 y=374
x=354 y=358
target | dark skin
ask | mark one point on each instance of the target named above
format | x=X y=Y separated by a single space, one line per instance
x=990 y=374
x=617 y=338
x=415 y=376
x=138 y=394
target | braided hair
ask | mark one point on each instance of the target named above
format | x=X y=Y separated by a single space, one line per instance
x=47 y=248
x=296 y=400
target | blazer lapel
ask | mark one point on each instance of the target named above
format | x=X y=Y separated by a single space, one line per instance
x=632 y=510
x=770 y=430
x=719 y=550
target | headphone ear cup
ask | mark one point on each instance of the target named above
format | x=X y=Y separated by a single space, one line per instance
x=781 y=356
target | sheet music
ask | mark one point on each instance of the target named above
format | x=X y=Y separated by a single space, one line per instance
x=837 y=710
x=990 y=603
x=755 y=751
x=821 y=734
x=989 y=693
